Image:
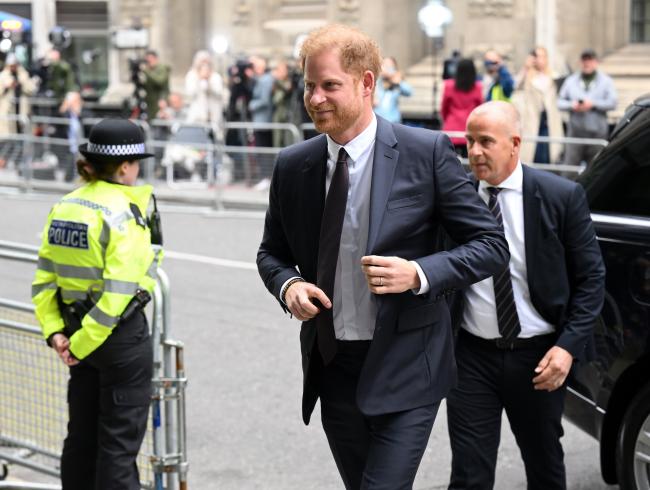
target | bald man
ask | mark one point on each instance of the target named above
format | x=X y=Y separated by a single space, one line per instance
x=522 y=329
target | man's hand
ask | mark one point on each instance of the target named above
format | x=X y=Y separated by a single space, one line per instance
x=389 y=274
x=553 y=369
x=587 y=105
x=61 y=345
x=298 y=298
x=396 y=78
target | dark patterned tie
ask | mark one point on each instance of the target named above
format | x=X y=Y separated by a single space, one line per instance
x=328 y=252
x=507 y=317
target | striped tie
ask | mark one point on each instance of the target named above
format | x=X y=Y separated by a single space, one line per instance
x=507 y=317
x=328 y=252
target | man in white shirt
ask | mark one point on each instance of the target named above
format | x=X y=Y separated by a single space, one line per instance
x=522 y=329
x=349 y=248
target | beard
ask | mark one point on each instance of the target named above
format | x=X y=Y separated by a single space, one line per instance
x=340 y=119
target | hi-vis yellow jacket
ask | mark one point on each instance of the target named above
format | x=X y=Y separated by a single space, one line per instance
x=94 y=244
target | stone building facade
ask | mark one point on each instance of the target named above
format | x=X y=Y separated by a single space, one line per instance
x=178 y=28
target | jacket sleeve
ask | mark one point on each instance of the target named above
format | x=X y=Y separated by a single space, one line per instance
x=44 y=290
x=261 y=99
x=506 y=81
x=158 y=76
x=564 y=101
x=482 y=249
x=405 y=89
x=126 y=264
x=586 y=275
x=275 y=261
x=609 y=97
x=444 y=106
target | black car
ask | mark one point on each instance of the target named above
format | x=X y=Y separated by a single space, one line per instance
x=609 y=397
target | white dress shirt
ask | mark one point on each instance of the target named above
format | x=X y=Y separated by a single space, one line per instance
x=480 y=314
x=354 y=306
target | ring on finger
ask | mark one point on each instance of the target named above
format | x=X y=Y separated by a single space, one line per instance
x=381 y=281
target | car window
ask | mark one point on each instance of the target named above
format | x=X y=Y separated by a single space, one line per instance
x=628 y=192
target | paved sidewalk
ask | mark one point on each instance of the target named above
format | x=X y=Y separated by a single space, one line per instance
x=231 y=196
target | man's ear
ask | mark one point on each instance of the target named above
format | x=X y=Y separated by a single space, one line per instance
x=516 y=142
x=368 y=81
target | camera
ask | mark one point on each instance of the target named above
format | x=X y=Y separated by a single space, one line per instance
x=237 y=72
x=139 y=93
x=241 y=90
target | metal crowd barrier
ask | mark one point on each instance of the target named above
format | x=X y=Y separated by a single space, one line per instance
x=199 y=155
x=188 y=156
x=575 y=168
x=33 y=385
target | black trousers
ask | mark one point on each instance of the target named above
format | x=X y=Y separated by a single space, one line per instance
x=108 y=400
x=489 y=381
x=371 y=452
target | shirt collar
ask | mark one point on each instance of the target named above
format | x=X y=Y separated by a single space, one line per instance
x=357 y=146
x=515 y=180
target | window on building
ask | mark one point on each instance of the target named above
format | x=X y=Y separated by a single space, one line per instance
x=640 y=21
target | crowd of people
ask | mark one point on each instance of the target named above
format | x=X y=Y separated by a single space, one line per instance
x=53 y=79
x=261 y=92
x=540 y=97
x=253 y=92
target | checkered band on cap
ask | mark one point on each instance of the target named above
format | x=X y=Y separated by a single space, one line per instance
x=117 y=150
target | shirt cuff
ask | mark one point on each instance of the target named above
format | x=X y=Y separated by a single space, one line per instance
x=284 y=286
x=424 y=283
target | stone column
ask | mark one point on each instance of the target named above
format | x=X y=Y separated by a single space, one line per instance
x=114 y=21
x=44 y=19
x=546 y=30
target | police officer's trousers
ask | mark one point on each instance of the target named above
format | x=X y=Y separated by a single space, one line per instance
x=108 y=399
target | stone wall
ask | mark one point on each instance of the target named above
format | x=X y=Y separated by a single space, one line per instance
x=270 y=27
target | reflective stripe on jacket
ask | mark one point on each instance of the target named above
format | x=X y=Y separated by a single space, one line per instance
x=94 y=245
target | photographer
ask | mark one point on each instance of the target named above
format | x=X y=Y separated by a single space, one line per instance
x=240 y=84
x=261 y=103
x=498 y=80
x=390 y=87
x=205 y=92
x=587 y=94
x=60 y=77
x=282 y=93
x=155 y=82
x=15 y=87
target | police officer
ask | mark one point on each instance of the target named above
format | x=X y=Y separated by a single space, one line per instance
x=96 y=268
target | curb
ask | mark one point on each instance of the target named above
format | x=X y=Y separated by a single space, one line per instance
x=230 y=200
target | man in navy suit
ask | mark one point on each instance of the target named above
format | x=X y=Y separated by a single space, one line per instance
x=349 y=248
x=522 y=329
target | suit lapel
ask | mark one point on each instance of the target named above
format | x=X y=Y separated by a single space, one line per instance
x=383 y=172
x=532 y=205
x=313 y=192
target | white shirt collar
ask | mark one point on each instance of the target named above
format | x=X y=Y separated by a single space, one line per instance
x=515 y=180
x=357 y=146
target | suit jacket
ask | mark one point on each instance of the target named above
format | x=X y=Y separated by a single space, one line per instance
x=418 y=186
x=566 y=273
